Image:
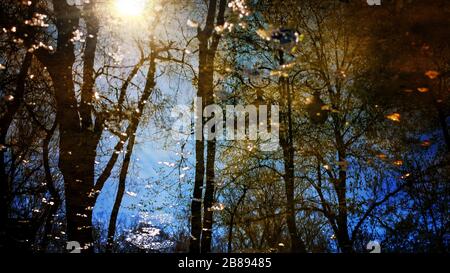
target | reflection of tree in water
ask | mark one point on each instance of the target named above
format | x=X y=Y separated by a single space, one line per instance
x=364 y=102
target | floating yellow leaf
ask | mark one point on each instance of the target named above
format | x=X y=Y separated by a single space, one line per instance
x=394 y=117
x=432 y=74
x=405 y=176
x=294 y=49
x=326 y=107
x=398 y=162
x=423 y=89
x=264 y=34
x=301 y=37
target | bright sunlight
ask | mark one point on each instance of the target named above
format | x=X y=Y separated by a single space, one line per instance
x=130 y=8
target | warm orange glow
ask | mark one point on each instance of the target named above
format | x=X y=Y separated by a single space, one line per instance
x=432 y=74
x=398 y=162
x=394 y=117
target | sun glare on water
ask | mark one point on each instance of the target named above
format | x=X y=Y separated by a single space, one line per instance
x=129 y=8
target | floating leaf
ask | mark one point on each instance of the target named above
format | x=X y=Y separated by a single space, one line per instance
x=326 y=107
x=192 y=24
x=132 y=194
x=405 y=176
x=423 y=89
x=217 y=207
x=264 y=34
x=394 y=117
x=432 y=74
x=398 y=162
x=9 y=98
